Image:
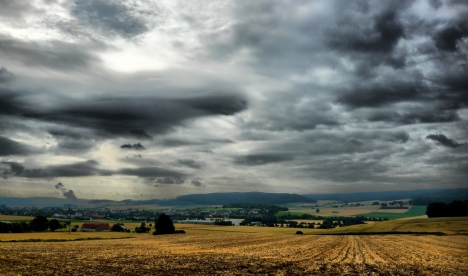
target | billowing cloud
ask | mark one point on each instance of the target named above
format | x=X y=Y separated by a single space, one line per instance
x=197 y=183
x=318 y=96
x=11 y=147
x=136 y=146
x=444 y=141
x=115 y=17
x=261 y=159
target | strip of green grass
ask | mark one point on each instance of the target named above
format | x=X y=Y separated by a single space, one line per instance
x=413 y=212
x=284 y=213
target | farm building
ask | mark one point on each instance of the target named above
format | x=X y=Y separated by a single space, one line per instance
x=95 y=227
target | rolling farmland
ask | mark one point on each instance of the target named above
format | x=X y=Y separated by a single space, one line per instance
x=241 y=254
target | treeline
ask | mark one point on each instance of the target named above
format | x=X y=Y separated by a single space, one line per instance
x=333 y=222
x=223 y=222
x=38 y=224
x=312 y=217
x=237 y=197
x=457 y=208
x=328 y=222
x=255 y=206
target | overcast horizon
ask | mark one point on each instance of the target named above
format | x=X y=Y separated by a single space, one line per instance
x=154 y=99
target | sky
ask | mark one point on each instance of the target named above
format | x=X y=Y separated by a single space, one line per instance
x=120 y=99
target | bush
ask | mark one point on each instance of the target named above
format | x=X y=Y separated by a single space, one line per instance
x=299 y=233
x=73 y=229
x=179 y=232
x=118 y=227
x=164 y=225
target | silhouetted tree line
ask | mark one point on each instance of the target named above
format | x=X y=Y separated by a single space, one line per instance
x=38 y=224
x=457 y=208
x=333 y=222
x=223 y=222
x=255 y=206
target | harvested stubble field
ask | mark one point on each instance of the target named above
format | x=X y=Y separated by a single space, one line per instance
x=241 y=254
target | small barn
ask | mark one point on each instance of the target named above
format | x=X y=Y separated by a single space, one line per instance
x=95 y=227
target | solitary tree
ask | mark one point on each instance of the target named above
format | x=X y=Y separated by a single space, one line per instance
x=164 y=225
x=318 y=210
x=39 y=223
x=54 y=225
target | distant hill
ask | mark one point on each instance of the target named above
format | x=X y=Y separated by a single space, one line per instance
x=248 y=197
x=208 y=199
x=421 y=197
x=40 y=201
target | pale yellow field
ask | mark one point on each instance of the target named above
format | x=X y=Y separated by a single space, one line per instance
x=444 y=225
x=241 y=254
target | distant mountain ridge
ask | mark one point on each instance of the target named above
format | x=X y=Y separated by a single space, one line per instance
x=193 y=199
x=421 y=197
x=246 y=197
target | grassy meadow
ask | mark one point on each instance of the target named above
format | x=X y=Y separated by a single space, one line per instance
x=414 y=211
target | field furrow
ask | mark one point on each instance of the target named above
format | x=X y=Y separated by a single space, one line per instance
x=241 y=254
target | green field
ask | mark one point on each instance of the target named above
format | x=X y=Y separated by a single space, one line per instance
x=282 y=213
x=415 y=211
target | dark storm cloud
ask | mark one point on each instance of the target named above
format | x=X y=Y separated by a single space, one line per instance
x=189 y=163
x=10 y=103
x=354 y=141
x=66 y=192
x=136 y=146
x=381 y=36
x=80 y=169
x=176 y=142
x=169 y=180
x=448 y=38
x=5 y=75
x=16 y=169
x=76 y=145
x=72 y=141
x=138 y=133
x=10 y=147
x=261 y=159
x=109 y=16
x=379 y=93
x=197 y=183
x=87 y=168
x=415 y=115
x=65 y=133
x=151 y=172
x=444 y=141
x=120 y=116
x=53 y=54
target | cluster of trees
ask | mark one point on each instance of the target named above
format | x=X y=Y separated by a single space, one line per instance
x=143 y=228
x=38 y=224
x=457 y=208
x=223 y=222
x=333 y=222
x=119 y=227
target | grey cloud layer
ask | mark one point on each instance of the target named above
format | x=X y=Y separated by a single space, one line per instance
x=315 y=95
